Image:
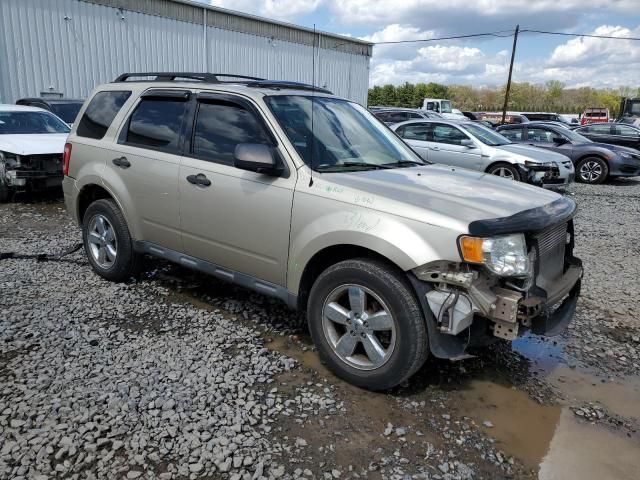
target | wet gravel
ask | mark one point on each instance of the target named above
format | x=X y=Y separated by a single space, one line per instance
x=174 y=375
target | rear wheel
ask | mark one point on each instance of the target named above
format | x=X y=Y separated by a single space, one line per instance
x=504 y=170
x=367 y=324
x=108 y=243
x=592 y=170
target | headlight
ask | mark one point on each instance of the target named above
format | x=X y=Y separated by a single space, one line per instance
x=504 y=255
x=11 y=160
x=625 y=155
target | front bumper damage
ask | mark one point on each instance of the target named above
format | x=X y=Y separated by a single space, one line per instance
x=32 y=172
x=466 y=305
x=546 y=176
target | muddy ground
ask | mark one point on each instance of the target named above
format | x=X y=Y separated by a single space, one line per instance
x=567 y=407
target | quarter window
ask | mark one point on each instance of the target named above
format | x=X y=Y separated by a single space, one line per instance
x=220 y=127
x=102 y=109
x=156 y=124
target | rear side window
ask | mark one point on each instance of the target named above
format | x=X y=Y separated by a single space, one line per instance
x=156 y=124
x=220 y=126
x=102 y=109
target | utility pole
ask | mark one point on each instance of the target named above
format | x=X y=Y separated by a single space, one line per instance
x=513 y=56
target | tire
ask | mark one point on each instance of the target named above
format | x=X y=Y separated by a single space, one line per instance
x=592 y=170
x=5 y=192
x=505 y=170
x=104 y=218
x=398 y=339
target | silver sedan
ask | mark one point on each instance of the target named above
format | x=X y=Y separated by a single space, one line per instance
x=476 y=147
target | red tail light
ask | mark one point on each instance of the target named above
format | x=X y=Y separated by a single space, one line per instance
x=66 y=159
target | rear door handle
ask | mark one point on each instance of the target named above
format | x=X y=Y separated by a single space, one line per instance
x=121 y=162
x=199 y=179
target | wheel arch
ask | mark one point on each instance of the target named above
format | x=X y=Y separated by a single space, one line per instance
x=87 y=195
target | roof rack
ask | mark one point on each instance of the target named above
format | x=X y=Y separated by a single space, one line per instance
x=253 y=82
x=173 y=76
x=278 y=84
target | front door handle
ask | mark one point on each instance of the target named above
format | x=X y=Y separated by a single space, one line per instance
x=121 y=162
x=199 y=179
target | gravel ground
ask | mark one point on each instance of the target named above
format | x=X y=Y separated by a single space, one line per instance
x=176 y=375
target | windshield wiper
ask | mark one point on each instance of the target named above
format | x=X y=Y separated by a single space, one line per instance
x=404 y=163
x=341 y=166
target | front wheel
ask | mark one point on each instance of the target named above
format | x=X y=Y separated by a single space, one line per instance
x=505 y=170
x=592 y=170
x=367 y=324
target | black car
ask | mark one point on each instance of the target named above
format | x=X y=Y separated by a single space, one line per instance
x=397 y=115
x=612 y=133
x=65 y=108
x=594 y=162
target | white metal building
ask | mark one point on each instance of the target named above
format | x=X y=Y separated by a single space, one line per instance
x=67 y=47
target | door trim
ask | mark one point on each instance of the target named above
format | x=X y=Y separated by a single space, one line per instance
x=222 y=273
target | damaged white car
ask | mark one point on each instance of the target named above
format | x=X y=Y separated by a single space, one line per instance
x=31 y=146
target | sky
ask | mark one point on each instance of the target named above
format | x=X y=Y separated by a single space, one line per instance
x=478 y=61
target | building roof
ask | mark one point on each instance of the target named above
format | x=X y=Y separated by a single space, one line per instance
x=197 y=12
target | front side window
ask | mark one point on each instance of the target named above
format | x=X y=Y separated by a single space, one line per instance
x=102 y=109
x=513 y=134
x=220 y=126
x=541 y=135
x=447 y=134
x=600 y=129
x=445 y=106
x=12 y=123
x=344 y=135
x=156 y=124
x=626 y=131
x=486 y=135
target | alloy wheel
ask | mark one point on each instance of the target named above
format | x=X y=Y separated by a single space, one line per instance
x=103 y=244
x=503 y=172
x=359 y=327
x=590 y=171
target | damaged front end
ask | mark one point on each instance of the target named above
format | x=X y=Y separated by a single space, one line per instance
x=544 y=175
x=31 y=172
x=474 y=301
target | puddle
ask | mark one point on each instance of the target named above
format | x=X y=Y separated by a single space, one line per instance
x=523 y=427
x=587 y=452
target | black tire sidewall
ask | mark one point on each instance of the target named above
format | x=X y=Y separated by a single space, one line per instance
x=508 y=166
x=407 y=317
x=601 y=178
x=126 y=261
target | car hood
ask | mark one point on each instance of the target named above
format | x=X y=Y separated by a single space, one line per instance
x=529 y=152
x=437 y=194
x=608 y=146
x=33 y=144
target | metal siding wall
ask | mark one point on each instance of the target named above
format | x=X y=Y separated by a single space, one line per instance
x=40 y=49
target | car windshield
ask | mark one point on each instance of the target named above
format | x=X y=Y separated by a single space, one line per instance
x=445 y=106
x=486 y=135
x=336 y=135
x=67 y=111
x=12 y=123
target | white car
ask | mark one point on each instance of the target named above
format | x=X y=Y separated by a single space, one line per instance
x=31 y=146
x=476 y=147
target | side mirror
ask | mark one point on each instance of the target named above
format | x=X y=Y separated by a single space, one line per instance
x=560 y=140
x=467 y=143
x=256 y=157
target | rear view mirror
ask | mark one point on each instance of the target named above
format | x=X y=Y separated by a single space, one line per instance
x=257 y=157
x=467 y=143
x=560 y=140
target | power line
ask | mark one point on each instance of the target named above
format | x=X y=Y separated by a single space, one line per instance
x=611 y=37
x=502 y=34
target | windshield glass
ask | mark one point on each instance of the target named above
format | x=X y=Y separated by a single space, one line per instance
x=486 y=135
x=344 y=137
x=12 y=123
x=445 y=106
x=66 y=111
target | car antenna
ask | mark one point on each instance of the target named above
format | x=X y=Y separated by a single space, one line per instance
x=313 y=92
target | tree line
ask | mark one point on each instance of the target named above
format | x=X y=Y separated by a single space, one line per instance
x=553 y=96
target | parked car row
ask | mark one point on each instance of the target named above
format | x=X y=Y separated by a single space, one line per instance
x=286 y=189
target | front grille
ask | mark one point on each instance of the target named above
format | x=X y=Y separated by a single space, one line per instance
x=49 y=163
x=550 y=245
